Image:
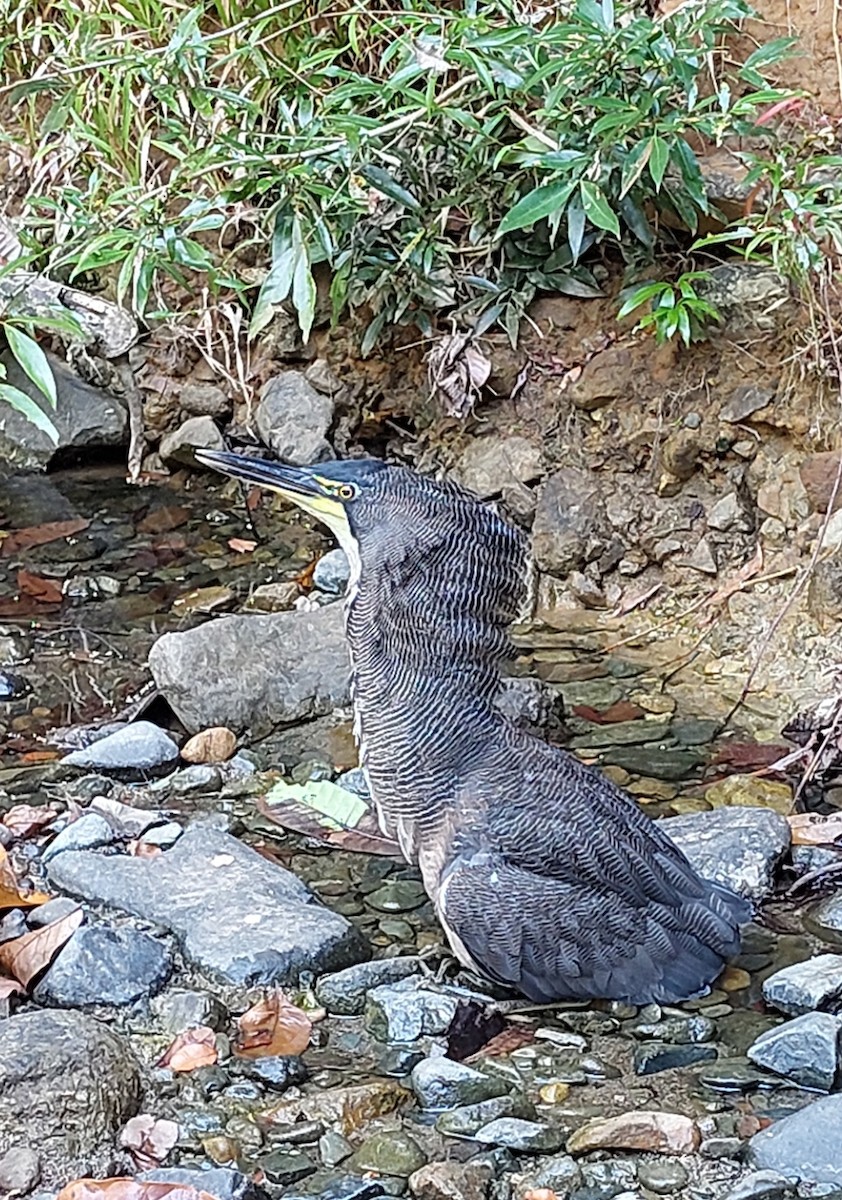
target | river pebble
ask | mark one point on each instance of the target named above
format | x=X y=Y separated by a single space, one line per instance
x=805 y=986
x=440 y=1083
x=805 y=1050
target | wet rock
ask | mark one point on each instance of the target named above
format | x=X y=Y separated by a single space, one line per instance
x=82 y=589
x=290 y=667
x=20 y=1170
x=182 y=1008
x=732 y=1075
x=85 y=417
x=662 y=1178
x=440 y=1083
x=451 y=1181
x=237 y=916
x=467 y=1119
x=678 y=1031
x=749 y=298
x=325 y=1185
x=398 y=895
x=744 y=401
x=656 y=1132
x=221 y=1182
x=721 y=1147
x=514 y=1133
x=560 y=1174
x=283 y=1167
x=761 y=1185
x=293 y=418
x=568 y=517
x=87 y=831
x=406 y=1011
x=67 y=1085
x=818 y=475
x=332 y=572
x=652 y=760
x=344 y=992
x=273 y=597
x=805 y=1050
x=804 y=1145
x=828 y=914
x=491 y=463
x=334 y=1148
x=348 y=1109
x=196 y=433
x=100 y=965
x=738 y=847
x=213 y=745
x=605 y=379
x=609 y=1178
x=805 y=986
x=652 y=1057
x=277 y=1071
x=748 y=791
x=388 y=1153
x=138 y=749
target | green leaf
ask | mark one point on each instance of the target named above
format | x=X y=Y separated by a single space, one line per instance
x=371 y=335
x=304 y=294
x=25 y=405
x=597 y=209
x=634 y=165
x=659 y=157
x=33 y=360
x=383 y=182
x=537 y=204
x=337 y=808
x=770 y=53
x=575 y=226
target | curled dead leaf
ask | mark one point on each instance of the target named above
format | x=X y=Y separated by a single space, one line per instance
x=40 y=535
x=25 y=819
x=9 y=987
x=148 y=1140
x=27 y=956
x=12 y=895
x=192 y=1049
x=273 y=1026
x=815 y=829
x=457 y=372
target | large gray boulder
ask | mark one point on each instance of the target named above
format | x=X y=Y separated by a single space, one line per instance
x=255 y=672
x=805 y=1145
x=237 y=917
x=568 y=520
x=738 y=847
x=67 y=1084
x=293 y=418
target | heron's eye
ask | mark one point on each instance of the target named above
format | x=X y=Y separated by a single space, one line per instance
x=346 y=491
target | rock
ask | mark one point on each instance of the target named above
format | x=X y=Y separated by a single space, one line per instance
x=560 y=1174
x=196 y=433
x=738 y=847
x=221 y=1182
x=182 y=1008
x=100 y=965
x=805 y=986
x=652 y=1057
x=85 y=417
x=285 y=1166
x=53 y=910
x=656 y=1132
x=678 y=1031
x=332 y=572
x=89 y=830
x=568 y=517
x=440 y=1083
x=293 y=419
x=730 y=513
x=826 y=916
x=702 y=559
x=749 y=791
x=824 y=594
x=653 y=760
x=804 y=1145
x=761 y=1185
x=468 y=1118
x=388 y=1153
x=137 y=749
x=348 y=1109
x=662 y=1178
x=408 y=1010
x=680 y=455
x=20 y=1170
x=214 y=745
x=344 y=992
x=515 y=1133
x=818 y=475
x=744 y=401
x=531 y=704
x=749 y=298
x=237 y=916
x=805 y=1050
x=607 y=378
x=273 y=597
x=203 y=399
x=277 y=1071
x=67 y=1085
x=81 y=589
x=290 y=667
x=326 y=1185
x=491 y=463
x=451 y=1180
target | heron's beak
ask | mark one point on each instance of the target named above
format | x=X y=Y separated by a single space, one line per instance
x=301 y=485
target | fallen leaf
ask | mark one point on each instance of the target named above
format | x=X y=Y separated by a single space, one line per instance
x=273 y=1026
x=254 y=498
x=623 y=710
x=148 y=1140
x=45 y=591
x=25 y=819
x=10 y=987
x=329 y=813
x=33 y=757
x=25 y=957
x=457 y=373
x=473 y=1026
x=164 y=519
x=512 y=1038
x=11 y=895
x=39 y=535
x=740 y=758
x=194 y=1048
x=141 y=849
x=241 y=545
x=815 y=829
x=129 y=1189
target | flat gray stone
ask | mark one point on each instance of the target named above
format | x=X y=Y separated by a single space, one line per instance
x=89 y=830
x=805 y=1050
x=140 y=747
x=332 y=572
x=805 y=986
x=408 y=1010
x=517 y=1134
x=67 y=1084
x=293 y=419
x=224 y=1183
x=101 y=965
x=196 y=433
x=738 y=847
x=237 y=917
x=493 y=462
x=804 y=1145
x=255 y=672
x=344 y=992
x=440 y=1083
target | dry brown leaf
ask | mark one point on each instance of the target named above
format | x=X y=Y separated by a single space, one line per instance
x=192 y=1049
x=129 y=1189
x=39 y=535
x=241 y=545
x=25 y=957
x=45 y=591
x=815 y=829
x=164 y=519
x=9 y=987
x=273 y=1026
x=148 y=1140
x=457 y=372
x=25 y=819
x=11 y=895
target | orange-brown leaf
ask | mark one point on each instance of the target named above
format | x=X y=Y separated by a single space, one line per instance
x=192 y=1049
x=129 y=1189
x=45 y=591
x=25 y=957
x=39 y=535
x=164 y=519
x=815 y=829
x=242 y=545
x=25 y=819
x=11 y=895
x=273 y=1026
